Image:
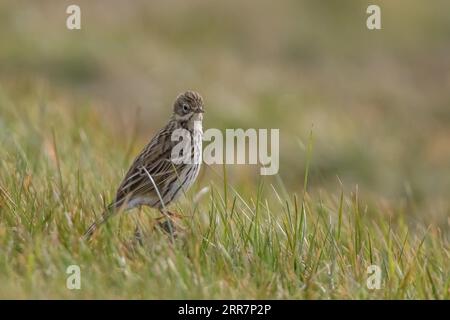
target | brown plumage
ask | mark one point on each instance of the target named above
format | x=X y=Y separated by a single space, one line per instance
x=155 y=174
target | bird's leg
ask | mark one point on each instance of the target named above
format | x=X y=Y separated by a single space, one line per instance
x=138 y=231
x=138 y=235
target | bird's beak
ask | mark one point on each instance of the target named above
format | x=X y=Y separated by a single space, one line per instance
x=199 y=111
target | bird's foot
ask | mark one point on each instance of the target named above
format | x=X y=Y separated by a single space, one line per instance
x=169 y=227
x=171 y=214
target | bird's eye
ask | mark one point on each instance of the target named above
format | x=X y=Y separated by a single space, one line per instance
x=185 y=107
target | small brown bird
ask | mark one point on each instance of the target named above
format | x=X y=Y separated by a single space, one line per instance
x=156 y=177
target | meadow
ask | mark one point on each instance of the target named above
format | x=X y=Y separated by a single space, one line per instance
x=364 y=119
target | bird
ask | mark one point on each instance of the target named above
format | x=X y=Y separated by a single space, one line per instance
x=160 y=173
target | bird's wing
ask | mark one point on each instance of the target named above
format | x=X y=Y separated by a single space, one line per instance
x=154 y=160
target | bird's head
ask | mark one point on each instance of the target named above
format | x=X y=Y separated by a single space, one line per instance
x=188 y=107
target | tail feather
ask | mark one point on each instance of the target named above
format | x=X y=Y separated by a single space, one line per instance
x=90 y=231
x=94 y=226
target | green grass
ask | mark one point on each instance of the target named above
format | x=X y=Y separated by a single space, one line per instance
x=60 y=163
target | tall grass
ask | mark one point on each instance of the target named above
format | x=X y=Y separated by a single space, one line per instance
x=60 y=164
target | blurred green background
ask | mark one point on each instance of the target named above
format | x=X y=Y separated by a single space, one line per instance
x=377 y=102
